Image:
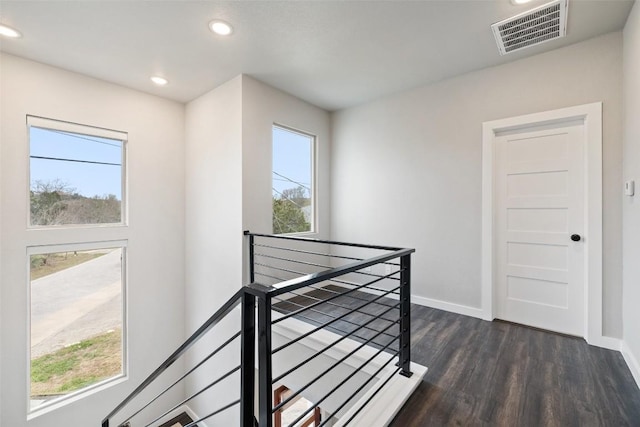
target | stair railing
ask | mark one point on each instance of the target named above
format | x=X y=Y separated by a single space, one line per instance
x=330 y=289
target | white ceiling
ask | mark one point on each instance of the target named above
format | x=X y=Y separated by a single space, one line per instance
x=334 y=54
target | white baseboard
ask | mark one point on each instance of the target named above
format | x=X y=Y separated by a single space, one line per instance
x=449 y=306
x=609 y=343
x=440 y=305
x=632 y=362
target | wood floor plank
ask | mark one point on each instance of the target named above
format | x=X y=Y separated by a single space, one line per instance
x=501 y=374
x=493 y=373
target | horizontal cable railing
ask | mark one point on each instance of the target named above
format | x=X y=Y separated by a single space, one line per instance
x=359 y=293
x=203 y=359
x=328 y=319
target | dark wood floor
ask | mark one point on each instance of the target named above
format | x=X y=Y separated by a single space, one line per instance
x=500 y=374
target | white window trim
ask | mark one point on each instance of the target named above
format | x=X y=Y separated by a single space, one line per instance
x=314 y=177
x=70 y=237
x=65 y=126
x=88 y=130
x=101 y=385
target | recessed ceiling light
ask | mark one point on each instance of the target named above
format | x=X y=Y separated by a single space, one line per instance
x=518 y=2
x=220 y=27
x=160 y=81
x=9 y=32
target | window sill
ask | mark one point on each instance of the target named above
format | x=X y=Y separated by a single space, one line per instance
x=63 y=401
x=300 y=234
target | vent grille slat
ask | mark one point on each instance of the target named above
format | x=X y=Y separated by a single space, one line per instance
x=532 y=17
x=529 y=31
x=539 y=39
x=539 y=25
x=514 y=30
x=531 y=34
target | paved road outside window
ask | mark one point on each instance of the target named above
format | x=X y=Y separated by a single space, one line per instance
x=77 y=303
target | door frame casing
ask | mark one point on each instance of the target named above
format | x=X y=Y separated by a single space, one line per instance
x=591 y=114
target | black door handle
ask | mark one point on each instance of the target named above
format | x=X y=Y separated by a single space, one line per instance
x=575 y=237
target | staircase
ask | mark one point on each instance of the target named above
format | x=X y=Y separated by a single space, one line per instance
x=328 y=321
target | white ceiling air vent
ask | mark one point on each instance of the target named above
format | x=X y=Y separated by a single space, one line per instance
x=539 y=25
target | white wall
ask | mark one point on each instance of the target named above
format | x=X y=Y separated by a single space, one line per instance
x=213 y=200
x=1 y=238
x=262 y=106
x=155 y=232
x=228 y=181
x=406 y=169
x=213 y=227
x=631 y=205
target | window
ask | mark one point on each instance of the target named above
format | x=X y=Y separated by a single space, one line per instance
x=76 y=310
x=293 y=181
x=76 y=174
x=76 y=290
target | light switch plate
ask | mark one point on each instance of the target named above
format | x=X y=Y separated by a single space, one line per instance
x=629 y=188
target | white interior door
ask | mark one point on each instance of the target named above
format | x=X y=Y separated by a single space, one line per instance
x=539 y=215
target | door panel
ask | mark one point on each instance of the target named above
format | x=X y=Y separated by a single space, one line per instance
x=540 y=183
x=539 y=204
x=549 y=220
x=548 y=274
x=533 y=291
x=536 y=255
x=522 y=150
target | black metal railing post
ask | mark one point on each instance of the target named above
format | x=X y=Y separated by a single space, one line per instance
x=252 y=265
x=405 y=316
x=264 y=361
x=258 y=410
x=248 y=360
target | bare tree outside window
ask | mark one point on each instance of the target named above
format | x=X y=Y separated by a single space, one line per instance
x=76 y=290
x=75 y=178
